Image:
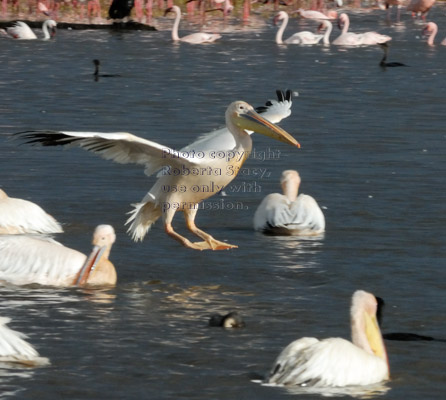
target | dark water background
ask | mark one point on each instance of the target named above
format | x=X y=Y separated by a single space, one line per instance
x=373 y=155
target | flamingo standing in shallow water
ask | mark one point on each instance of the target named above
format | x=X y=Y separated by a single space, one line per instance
x=27 y=259
x=22 y=31
x=336 y=362
x=388 y=6
x=356 y=39
x=304 y=37
x=420 y=7
x=288 y=213
x=19 y=216
x=193 y=38
x=431 y=30
x=14 y=349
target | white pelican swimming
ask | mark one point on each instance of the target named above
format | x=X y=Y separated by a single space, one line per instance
x=194 y=38
x=26 y=259
x=21 y=30
x=187 y=177
x=14 y=349
x=22 y=216
x=336 y=362
x=288 y=213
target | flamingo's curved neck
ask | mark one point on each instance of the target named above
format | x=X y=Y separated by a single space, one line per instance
x=279 y=33
x=327 y=33
x=176 y=24
x=346 y=22
x=430 y=40
x=46 y=33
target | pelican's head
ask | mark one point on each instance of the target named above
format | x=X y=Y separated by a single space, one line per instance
x=244 y=116
x=3 y=194
x=97 y=269
x=104 y=235
x=365 y=329
x=290 y=182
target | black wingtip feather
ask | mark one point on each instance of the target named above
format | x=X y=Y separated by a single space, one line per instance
x=280 y=95
x=45 y=138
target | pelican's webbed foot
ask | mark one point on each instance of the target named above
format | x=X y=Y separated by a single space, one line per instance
x=209 y=242
x=213 y=244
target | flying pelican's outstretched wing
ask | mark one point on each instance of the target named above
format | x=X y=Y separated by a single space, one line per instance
x=120 y=147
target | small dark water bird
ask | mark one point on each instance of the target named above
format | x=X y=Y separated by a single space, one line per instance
x=401 y=336
x=230 y=320
x=384 y=63
x=96 y=73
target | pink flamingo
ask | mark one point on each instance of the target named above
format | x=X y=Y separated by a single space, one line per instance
x=431 y=30
x=420 y=7
x=304 y=37
x=356 y=39
x=194 y=38
x=389 y=4
x=149 y=11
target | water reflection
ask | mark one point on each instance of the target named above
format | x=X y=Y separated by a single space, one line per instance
x=359 y=392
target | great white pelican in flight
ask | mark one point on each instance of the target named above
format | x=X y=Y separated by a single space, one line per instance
x=185 y=177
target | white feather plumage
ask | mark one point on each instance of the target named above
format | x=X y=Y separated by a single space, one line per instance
x=14 y=349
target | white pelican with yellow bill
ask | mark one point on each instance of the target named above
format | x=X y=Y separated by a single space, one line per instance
x=28 y=259
x=15 y=349
x=186 y=177
x=336 y=362
x=22 y=216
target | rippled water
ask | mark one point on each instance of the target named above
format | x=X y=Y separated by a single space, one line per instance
x=373 y=155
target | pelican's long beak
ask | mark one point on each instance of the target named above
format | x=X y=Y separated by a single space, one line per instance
x=374 y=336
x=254 y=122
x=89 y=265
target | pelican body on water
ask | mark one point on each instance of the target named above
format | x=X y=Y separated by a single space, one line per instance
x=26 y=259
x=336 y=362
x=186 y=177
x=14 y=349
x=287 y=213
x=19 y=216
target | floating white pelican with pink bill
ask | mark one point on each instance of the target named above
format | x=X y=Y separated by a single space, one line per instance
x=28 y=259
x=14 y=349
x=186 y=177
x=336 y=362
